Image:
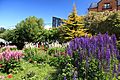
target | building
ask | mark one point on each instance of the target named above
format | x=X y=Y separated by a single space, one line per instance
x=103 y=5
x=56 y=21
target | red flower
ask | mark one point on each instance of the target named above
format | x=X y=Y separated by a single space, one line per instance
x=0 y=65
x=9 y=76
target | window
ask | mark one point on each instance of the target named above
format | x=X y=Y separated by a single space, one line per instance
x=107 y=5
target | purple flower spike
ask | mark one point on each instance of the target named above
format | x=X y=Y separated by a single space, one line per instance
x=69 y=51
x=99 y=54
x=75 y=46
x=114 y=69
x=74 y=77
x=119 y=67
x=65 y=78
x=114 y=39
x=118 y=57
x=108 y=54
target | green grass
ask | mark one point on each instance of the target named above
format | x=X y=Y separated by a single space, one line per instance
x=35 y=72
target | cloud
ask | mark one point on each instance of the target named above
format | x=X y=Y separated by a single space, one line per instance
x=47 y=26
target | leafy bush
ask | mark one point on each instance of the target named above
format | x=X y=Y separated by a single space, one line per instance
x=10 y=61
x=34 y=55
x=55 y=51
x=118 y=44
x=63 y=65
x=108 y=21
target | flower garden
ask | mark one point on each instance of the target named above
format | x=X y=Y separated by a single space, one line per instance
x=83 y=48
x=85 y=58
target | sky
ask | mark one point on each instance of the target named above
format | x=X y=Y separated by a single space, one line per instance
x=14 y=11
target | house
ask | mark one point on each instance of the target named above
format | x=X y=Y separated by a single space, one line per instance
x=103 y=5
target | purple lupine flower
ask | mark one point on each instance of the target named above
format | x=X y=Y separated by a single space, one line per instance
x=99 y=54
x=108 y=54
x=65 y=78
x=102 y=52
x=105 y=38
x=89 y=51
x=114 y=40
x=74 y=77
x=69 y=51
x=118 y=68
x=71 y=44
x=81 y=57
x=118 y=57
x=99 y=47
x=114 y=69
x=75 y=46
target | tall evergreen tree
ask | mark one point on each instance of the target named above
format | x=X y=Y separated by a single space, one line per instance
x=73 y=27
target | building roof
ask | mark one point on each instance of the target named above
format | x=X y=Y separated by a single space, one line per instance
x=93 y=5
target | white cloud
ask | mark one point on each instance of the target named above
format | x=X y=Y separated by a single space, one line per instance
x=47 y=26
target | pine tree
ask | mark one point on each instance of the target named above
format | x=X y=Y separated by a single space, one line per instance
x=73 y=27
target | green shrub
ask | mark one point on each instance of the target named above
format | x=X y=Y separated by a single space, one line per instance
x=118 y=45
x=64 y=67
x=34 y=55
x=55 y=51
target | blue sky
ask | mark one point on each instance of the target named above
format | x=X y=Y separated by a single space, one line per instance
x=13 y=11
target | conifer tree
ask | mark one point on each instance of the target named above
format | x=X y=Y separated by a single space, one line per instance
x=73 y=27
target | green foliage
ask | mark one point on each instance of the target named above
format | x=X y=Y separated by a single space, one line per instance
x=48 y=35
x=55 y=51
x=33 y=55
x=108 y=21
x=64 y=67
x=32 y=72
x=73 y=27
x=118 y=45
x=26 y=31
x=8 y=35
x=10 y=67
x=2 y=29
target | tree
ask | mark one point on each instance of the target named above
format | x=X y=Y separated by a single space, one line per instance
x=48 y=35
x=26 y=31
x=2 y=29
x=73 y=27
x=7 y=35
x=112 y=25
x=102 y=22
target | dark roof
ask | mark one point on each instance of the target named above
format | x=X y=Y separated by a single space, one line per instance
x=119 y=2
x=93 y=5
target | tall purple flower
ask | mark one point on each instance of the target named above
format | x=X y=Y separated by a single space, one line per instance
x=74 y=77
x=69 y=51
x=108 y=54
x=118 y=57
x=114 y=69
x=114 y=40
x=99 y=54
x=118 y=68
x=65 y=78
